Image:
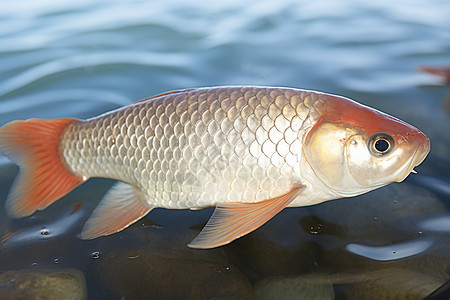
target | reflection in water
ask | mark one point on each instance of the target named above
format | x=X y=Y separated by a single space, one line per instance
x=391 y=252
x=436 y=224
x=58 y=227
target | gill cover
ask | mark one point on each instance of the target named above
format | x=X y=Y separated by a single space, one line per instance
x=350 y=161
x=325 y=151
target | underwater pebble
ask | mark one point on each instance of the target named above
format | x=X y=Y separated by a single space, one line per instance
x=68 y=284
x=397 y=226
x=394 y=284
x=151 y=276
x=355 y=215
x=293 y=288
x=275 y=251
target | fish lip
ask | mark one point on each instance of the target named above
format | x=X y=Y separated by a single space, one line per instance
x=427 y=148
x=417 y=158
x=421 y=152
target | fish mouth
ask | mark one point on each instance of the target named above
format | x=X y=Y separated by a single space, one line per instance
x=417 y=158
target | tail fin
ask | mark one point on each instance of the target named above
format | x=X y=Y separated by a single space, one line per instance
x=43 y=178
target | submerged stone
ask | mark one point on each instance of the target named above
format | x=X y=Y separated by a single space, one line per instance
x=68 y=284
x=280 y=248
x=293 y=288
x=394 y=284
x=137 y=274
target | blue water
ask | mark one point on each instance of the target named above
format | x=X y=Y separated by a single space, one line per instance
x=61 y=59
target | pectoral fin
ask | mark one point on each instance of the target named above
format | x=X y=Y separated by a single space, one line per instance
x=233 y=220
x=121 y=206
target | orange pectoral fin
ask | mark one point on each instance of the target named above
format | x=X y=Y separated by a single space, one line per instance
x=233 y=220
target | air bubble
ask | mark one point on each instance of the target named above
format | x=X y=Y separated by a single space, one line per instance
x=315 y=229
x=34 y=264
x=95 y=255
x=56 y=261
x=45 y=232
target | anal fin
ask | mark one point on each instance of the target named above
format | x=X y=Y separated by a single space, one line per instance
x=233 y=220
x=121 y=206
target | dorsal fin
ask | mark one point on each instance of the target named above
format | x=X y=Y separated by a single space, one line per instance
x=164 y=94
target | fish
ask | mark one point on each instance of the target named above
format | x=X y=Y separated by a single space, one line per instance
x=248 y=151
x=442 y=72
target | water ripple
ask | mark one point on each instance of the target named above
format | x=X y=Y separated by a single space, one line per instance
x=60 y=103
x=90 y=61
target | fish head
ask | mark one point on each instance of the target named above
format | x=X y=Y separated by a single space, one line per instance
x=353 y=148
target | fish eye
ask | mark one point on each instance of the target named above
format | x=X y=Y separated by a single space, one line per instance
x=381 y=144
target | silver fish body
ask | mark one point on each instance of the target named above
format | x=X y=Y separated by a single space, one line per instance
x=201 y=147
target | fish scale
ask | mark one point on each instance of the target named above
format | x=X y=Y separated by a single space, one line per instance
x=196 y=149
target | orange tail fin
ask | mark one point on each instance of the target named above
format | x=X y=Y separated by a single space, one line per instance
x=43 y=178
